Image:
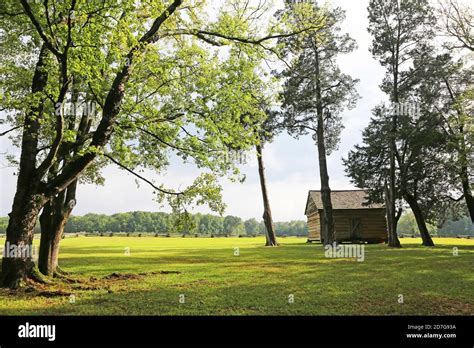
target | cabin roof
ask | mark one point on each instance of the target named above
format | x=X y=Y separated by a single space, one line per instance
x=341 y=199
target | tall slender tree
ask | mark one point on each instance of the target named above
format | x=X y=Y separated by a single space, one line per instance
x=369 y=163
x=316 y=92
x=401 y=31
x=447 y=90
x=420 y=142
x=266 y=134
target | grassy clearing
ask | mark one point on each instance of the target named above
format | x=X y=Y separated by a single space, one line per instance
x=259 y=281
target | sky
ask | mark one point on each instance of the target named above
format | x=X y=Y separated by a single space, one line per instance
x=291 y=165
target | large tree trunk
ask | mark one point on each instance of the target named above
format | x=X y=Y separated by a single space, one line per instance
x=20 y=233
x=420 y=219
x=47 y=239
x=267 y=212
x=56 y=212
x=328 y=219
x=27 y=201
x=51 y=234
x=53 y=219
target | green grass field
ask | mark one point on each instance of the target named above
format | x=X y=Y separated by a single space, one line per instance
x=257 y=282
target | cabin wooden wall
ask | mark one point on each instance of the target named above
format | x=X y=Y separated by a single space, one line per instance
x=373 y=224
x=314 y=227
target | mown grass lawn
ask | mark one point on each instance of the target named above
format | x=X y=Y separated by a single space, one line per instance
x=259 y=281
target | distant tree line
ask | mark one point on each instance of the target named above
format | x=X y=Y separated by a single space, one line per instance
x=208 y=224
x=163 y=223
x=462 y=226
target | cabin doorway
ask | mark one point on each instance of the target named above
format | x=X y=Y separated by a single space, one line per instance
x=356 y=229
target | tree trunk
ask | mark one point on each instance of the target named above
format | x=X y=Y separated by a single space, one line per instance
x=393 y=240
x=267 y=212
x=463 y=158
x=49 y=247
x=328 y=219
x=52 y=228
x=27 y=201
x=53 y=218
x=20 y=233
x=56 y=212
x=469 y=201
x=391 y=190
x=420 y=219
x=47 y=234
x=466 y=187
x=392 y=220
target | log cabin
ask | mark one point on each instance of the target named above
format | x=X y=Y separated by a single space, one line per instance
x=354 y=220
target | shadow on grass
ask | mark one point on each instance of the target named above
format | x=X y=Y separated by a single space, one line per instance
x=271 y=298
x=259 y=281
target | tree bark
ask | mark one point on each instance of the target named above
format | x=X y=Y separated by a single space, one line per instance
x=391 y=190
x=51 y=234
x=28 y=200
x=267 y=212
x=53 y=219
x=420 y=219
x=390 y=195
x=466 y=185
x=393 y=240
x=469 y=200
x=20 y=233
x=328 y=219
x=56 y=212
x=328 y=225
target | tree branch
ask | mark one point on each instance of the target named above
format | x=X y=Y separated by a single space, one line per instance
x=10 y=130
x=40 y=31
x=143 y=178
x=112 y=108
